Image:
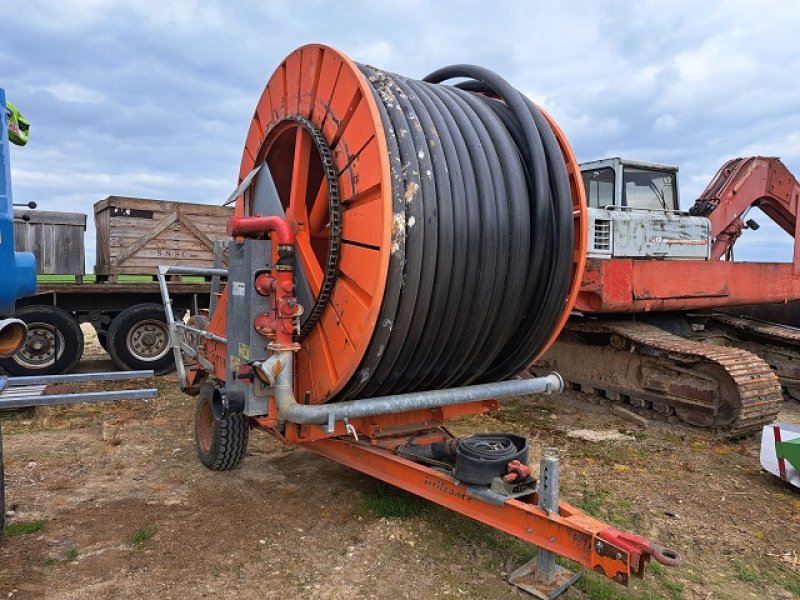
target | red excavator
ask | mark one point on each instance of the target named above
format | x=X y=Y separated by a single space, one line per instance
x=649 y=330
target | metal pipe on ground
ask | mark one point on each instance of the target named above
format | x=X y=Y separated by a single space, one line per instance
x=77 y=378
x=82 y=398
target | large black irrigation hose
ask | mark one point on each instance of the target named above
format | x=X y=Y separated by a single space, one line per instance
x=482 y=241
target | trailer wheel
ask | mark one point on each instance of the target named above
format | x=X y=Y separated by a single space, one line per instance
x=220 y=441
x=138 y=338
x=54 y=344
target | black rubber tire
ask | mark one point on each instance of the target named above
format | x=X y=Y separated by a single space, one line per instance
x=71 y=334
x=102 y=339
x=220 y=442
x=127 y=322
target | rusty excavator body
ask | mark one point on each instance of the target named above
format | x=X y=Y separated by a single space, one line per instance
x=655 y=327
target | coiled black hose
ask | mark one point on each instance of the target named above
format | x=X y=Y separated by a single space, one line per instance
x=483 y=233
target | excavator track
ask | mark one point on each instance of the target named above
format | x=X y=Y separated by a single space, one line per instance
x=778 y=345
x=656 y=373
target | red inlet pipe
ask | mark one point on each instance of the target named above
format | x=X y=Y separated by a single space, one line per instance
x=278 y=324
x=258 y=225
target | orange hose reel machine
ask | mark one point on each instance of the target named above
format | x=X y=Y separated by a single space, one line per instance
x=318 y=91
x=411 y=221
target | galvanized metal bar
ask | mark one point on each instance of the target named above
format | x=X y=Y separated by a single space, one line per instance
x=204 y=362
x=79 y=377
x=81 y=398
x=214 y=294
x=24 y=390
x=548 y=502
x=173 y=331
x=177 y=270
x=201 y=332
x=279 y=368
x=541 y=576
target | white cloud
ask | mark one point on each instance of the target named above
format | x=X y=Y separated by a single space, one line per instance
x=69 y=92
x=147 y=97
x=665 y=122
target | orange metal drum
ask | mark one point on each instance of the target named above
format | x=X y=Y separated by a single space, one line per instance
x=323 y=86
x=317 y=91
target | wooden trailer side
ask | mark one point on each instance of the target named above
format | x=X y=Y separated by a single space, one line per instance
x=135 y=235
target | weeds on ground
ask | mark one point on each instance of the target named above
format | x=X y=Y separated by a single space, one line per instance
x=598 y=503
x=511 y=550
x=745 y=573
x=142 y=536
x=675 y=589
x=70 y=556
x=388 y=502
x=793 y=586
x=599 y=588
x=24 y=528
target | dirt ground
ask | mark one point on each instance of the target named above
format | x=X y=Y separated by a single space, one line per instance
x=111 y=502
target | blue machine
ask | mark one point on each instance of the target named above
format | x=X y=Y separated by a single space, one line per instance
x=17 y=269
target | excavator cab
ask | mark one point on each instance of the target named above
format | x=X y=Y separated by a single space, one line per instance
x=642 y=185
x=634 y=213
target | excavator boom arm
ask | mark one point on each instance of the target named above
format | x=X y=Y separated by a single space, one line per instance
x=740 y=183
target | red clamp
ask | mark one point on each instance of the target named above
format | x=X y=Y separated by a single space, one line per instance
x=516 y=472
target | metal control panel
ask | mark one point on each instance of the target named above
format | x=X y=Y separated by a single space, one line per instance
x=246 y=259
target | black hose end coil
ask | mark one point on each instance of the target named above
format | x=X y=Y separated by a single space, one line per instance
x=482 y=241
x=484 y=456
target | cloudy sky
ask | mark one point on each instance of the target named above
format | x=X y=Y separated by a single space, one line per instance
x=154 y=99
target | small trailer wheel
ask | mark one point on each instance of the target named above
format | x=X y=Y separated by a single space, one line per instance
x=54 y=344
x=220 y=441
x=138 y=339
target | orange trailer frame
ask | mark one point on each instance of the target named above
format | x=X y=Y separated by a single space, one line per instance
x=367 y=445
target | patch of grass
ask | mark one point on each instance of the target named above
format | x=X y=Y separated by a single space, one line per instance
x=388 y=502
x=24 y=528
x=599 y=588
x=597 y=503
x=793 y=586
x=507 y=546
x=745 y=573
x=693 y=577
x=676 y=589
x=70 y=556
x=496 y=549
x=592 y=501
x=142 y=536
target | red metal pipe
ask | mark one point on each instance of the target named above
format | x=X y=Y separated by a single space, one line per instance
x=279 y=324
x=259 y=225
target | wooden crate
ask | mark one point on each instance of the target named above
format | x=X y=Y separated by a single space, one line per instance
x=55 y=238
x=135 y=235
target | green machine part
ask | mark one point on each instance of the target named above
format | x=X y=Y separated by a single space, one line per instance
x=789 y=451
x=18 y=126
